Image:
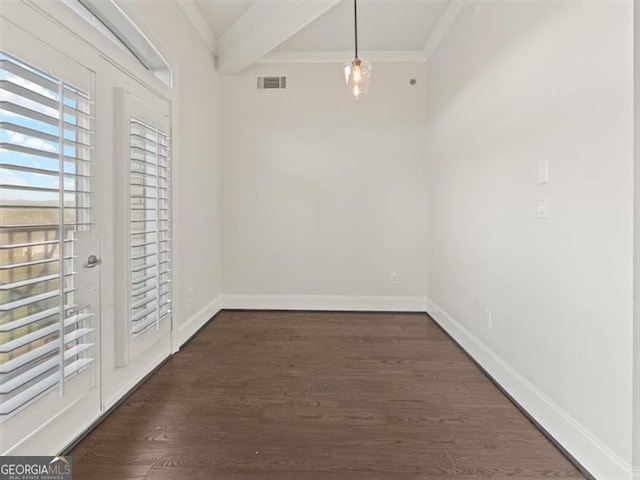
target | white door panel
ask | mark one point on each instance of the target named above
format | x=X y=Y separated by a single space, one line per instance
x=140 y=335
x=49 y=303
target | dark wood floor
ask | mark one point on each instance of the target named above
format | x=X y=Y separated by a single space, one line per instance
x=295 y=396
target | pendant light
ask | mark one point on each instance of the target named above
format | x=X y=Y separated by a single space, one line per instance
x=357 y=72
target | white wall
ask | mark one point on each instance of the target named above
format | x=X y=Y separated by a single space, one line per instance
x=323 y=194
x=514 y=83
x=197 y=171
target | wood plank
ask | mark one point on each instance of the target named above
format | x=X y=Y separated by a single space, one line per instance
x=318 y=396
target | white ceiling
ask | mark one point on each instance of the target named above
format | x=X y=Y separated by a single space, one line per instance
x=382 y=26
x=221 y=14
x=246 y=31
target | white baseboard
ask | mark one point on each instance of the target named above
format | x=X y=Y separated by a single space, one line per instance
x=146 y=370
x=324 y=302
x=185 y=330
x=585 y=447
x=50 y=438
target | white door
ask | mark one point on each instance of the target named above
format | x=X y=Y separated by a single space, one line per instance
x=138 y=278
x=85 y=231
x=49 y=248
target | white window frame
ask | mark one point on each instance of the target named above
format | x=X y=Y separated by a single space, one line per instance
x=113 y=23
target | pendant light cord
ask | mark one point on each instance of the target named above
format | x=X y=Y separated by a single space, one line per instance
x=355 y=21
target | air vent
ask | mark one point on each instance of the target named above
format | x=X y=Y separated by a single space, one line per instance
x=272 y=83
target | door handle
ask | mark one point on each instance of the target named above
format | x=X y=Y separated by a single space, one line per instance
x=92 y=261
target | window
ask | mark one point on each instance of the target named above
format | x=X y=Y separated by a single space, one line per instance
x=45 y=194
x=109 y=19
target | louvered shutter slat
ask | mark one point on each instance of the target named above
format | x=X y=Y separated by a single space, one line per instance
x=46 y=169
x=149 y=226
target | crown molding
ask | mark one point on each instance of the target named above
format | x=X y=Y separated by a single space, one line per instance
x=469 y=4
x=343 y=56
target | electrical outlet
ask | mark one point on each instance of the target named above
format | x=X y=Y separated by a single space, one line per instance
x=190 y=295
x=394 y=278
x=543 y=206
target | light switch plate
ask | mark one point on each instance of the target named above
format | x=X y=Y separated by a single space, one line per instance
x=543 y=206
x=543 y=172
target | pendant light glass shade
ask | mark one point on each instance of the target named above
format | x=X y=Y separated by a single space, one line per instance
x=357 y=74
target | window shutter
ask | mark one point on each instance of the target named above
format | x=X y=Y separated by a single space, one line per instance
x=150 y=227
x=45 y=193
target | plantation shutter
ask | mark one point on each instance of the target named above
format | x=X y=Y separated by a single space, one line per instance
x=45 y=191
x=150 y=226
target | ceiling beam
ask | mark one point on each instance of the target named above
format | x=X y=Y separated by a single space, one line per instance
x=263 y=27
x=447 y=19
x=194 y=15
